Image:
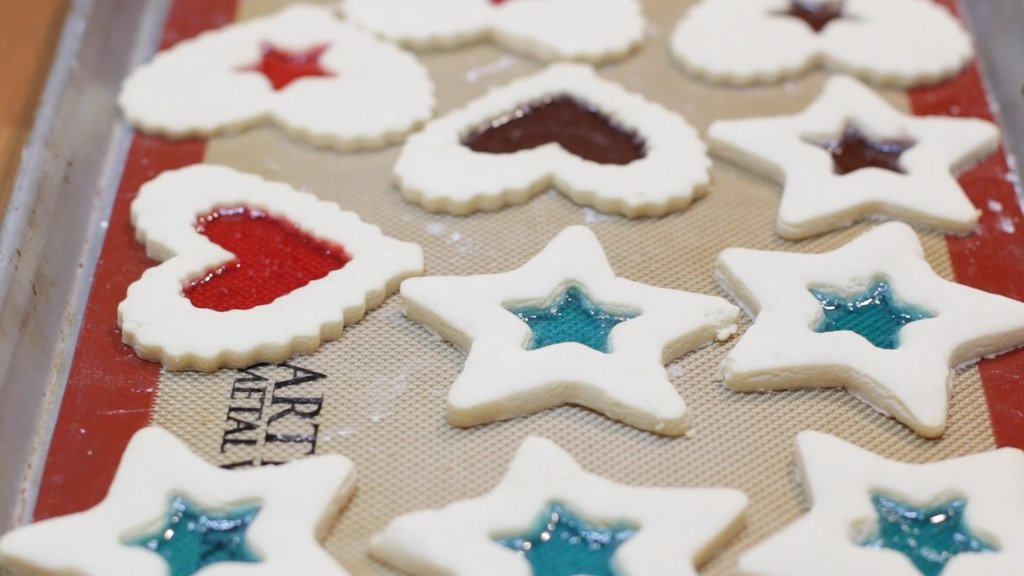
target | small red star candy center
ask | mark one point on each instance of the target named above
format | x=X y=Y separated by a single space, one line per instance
x=855 y=150
x=282 y=67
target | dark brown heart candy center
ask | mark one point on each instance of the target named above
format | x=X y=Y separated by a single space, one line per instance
x=575 y=126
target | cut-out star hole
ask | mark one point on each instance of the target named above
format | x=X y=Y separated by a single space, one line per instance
x=817 y=15
x=193 y=538
x=563 y=544
x=282 y=67
x=873 y=314
x=273 y=257
x=571 y=317
x=930 y=537
x=855 y=150
x=576 y=126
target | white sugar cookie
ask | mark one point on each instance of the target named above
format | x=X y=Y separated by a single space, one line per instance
x=648 y=161
x=672 y=528
x=168 y=507
x=526 y=354
x=585 y=30
x=352 y=92
x=870 y=316
x=231 y=327
x=892 y=42
x=910 y=161
x=870 y=515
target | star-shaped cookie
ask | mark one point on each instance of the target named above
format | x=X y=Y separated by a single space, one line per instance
x=318 y=78
x=893 y=42
x=546 y=497
x=870 y=316
x=870 y=515
x=169 y=512
x=606 y=351
x=910 y=161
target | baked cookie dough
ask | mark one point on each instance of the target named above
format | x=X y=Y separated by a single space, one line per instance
x=585 y=30
x=564 y=329
x=298 y=271
x=890 y=42
x=565 y=128
x=850 y=155
x=547 y=512
x=870 y=515
x=318 y=78
x=169 y=512
x=870 y=316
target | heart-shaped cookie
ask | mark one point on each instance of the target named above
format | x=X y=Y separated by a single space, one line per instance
x=302 y=69
x=286 y=272
x=585 y=30
x=564 y=127
x=894 y=42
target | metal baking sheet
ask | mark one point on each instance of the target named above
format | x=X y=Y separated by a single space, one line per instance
x=71 y=188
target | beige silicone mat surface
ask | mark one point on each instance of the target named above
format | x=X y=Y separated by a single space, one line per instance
x=381 y=400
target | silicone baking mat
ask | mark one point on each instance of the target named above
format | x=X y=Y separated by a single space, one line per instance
x=377 y=394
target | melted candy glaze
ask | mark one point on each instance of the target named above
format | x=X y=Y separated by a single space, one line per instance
x=817 y=15
x=855 y=150
x=929 y=537
x=273 y=257
x=563 y=544
x=192 y=538
x=575 y=126
x=282 y=67
x=873 y=314
x=572 y=317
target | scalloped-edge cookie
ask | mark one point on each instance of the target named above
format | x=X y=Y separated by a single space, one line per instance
x=889 y=42
x=585 y=30
x=168 y=511
x=871 y=316
x=318 y=78
x=872 y=515
x=657 y=165
x=850 y=155
x=547 y=508
x=563 y=328
x=316 y=268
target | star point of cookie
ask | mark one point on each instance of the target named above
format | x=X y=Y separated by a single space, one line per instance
x=871 y=316
x=607 y=353
x=891 y=42
x=252 y=271
x=588 y=138
x=850 y=155
x=871 y=515
x=639 y=530
x=170 y=512
x=318 y=78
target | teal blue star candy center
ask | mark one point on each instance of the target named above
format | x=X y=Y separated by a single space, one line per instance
x=193 y=538
x=929 y=537
x=571 y=317
x=563 y=544
x=873 y=314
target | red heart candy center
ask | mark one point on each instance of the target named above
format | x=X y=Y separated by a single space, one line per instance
x=273 y=257
x=282 y=67
x=577 y=127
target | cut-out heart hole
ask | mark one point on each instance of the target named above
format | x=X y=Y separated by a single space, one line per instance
x=817 y=15
x=282 y=67
x=273 y=257
x=577 y=127
x=856 y=150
